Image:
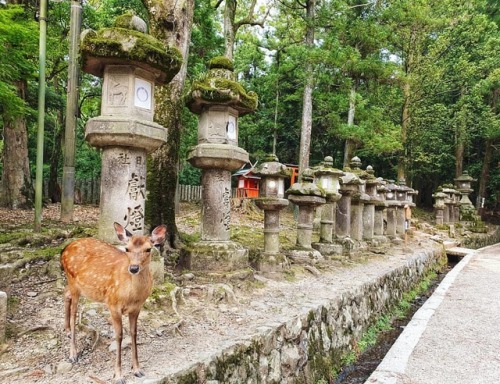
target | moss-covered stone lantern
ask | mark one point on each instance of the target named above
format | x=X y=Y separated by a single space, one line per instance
x=307 y=195
x=219 y=100
x=271 y=200
x=131 y=63
x=328 y=178
x=463 y=184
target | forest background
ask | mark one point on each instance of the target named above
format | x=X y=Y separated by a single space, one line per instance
x=409 y=86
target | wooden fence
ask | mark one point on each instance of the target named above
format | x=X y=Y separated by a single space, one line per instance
x=88 y=191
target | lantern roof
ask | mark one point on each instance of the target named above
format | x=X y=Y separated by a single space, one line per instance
x=128 y=43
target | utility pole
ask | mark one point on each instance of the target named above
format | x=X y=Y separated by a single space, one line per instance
x=41 y=115
x=68 y=179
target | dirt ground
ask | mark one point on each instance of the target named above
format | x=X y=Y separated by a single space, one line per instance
x=184 y=321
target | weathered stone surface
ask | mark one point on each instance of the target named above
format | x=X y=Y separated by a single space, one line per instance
x=105 y=131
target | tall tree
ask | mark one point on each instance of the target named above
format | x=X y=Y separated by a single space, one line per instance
x=170 y=22
x=18 y=41
x=232 y=23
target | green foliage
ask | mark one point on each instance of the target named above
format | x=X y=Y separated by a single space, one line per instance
x=18 y=45
x=447 y=53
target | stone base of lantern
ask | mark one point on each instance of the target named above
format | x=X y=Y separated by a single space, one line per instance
x=328 y=249
x=215 y=256
x=379 y=239
x=305 y=256
x=272 y=262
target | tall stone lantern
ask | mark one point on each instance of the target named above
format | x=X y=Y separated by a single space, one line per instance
x=219 y=100
x=271 y=200
x=439 y=206
x=359 y=200
x=392 y=206
x=380 y=207
x=131 y=63
x=328 y=178
x=404 y=198
x=463 y=185
x=307 y=195
x=371 y=184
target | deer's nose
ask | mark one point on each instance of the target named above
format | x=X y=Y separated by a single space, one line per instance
x=133 y=269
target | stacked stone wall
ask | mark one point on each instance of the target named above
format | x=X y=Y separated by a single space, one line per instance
x=307 y=347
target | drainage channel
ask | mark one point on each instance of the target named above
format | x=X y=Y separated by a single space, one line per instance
x=368 y=361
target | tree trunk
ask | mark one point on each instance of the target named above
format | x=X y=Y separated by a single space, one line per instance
x=405 y=123
x=171 y=23
x=54 y=187
x=459 y=154
x=350 y=145
x=229 y=28
x=306 y=127
x=485 y=173
x=16 y=182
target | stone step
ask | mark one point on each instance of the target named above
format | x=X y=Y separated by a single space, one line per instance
x=459 y=251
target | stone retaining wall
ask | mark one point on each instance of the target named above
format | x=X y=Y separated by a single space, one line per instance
x=480 y=240
x=307 y=347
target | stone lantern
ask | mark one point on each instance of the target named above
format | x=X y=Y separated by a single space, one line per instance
x=307 y=196
x=371 y=184
x=328 y=178
x=450 y=202
x=392 y=206
x=380 y=207
x=131 y=63
x=271 y=200
x=439 y=206
x=219 y=100
x=348 y=187
x=463 y=185
x=358 y=200
x=403 y=213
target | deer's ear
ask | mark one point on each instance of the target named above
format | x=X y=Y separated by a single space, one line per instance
x=158 y=235
x=122 y=233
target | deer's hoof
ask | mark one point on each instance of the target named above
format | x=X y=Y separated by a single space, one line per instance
x=121 y=380
x=73 y=360
x=139 y=373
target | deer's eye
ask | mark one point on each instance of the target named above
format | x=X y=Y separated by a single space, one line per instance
x=126 y=249
x=147 y=250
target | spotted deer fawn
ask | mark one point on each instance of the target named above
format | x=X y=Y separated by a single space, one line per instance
x=121 y=280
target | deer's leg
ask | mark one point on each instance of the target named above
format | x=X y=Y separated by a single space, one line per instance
x=73 y=309
x=116 y=318
x=132 y=317
x=67 y=312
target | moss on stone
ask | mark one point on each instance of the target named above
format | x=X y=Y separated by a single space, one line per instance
x=221 y=62
x=123 y=46
x=216 y=91
x=219 y=87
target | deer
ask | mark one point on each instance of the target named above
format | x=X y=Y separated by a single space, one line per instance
x=120 y=279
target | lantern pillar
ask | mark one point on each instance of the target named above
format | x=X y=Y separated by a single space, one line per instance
x=219 y=101
x=271 y=200
x=327 y=178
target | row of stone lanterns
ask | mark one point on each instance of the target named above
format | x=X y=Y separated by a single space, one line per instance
x=352 y=209
x=452 y=203
x=353 y=201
